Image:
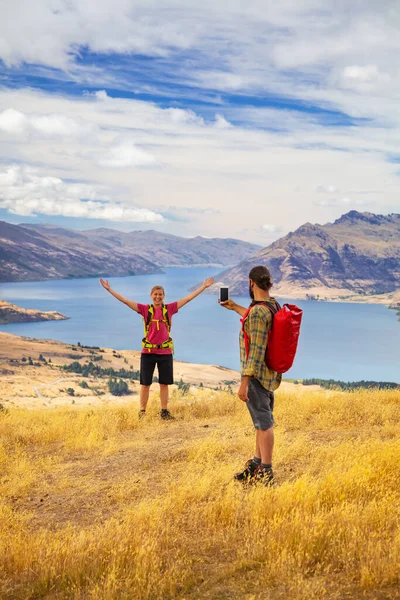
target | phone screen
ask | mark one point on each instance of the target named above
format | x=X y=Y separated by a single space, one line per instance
x=223 y=294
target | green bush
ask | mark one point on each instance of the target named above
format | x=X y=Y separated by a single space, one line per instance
x=118 y=387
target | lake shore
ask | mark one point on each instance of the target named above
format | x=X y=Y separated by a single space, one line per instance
x=44 y=384
x=11 y=313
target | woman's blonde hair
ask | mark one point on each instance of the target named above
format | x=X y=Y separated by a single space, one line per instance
x=157 y=287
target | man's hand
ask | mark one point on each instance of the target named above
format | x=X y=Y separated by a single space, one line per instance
x=207 y=283
x=229 y=304
x=105 y=284
x=243 y=390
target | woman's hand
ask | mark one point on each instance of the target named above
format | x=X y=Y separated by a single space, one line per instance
x=207 y=283
x=105 y=284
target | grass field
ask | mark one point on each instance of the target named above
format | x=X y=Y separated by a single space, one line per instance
x=97 y=505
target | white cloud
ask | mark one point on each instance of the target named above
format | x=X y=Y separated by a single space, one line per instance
x=345 y=203
x=364 y=78
x=344 y=59
x=221 y=122
x=327 y=189
x=272 y=228
x=366 y=74
x=101 y=95
x=127 y=154
x=180 y=116
x=239 y=171
x=15 y=122
x=24 y=192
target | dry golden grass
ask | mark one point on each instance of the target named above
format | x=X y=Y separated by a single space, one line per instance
x=97 y=505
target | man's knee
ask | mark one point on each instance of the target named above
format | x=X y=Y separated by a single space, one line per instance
x=145 y=387
x=163 y=386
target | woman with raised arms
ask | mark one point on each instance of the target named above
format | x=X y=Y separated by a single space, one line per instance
x=157 y=344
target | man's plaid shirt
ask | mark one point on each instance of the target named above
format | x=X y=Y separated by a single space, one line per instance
x=257 y=326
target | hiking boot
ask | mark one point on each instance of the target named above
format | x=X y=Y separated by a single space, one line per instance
x=166 y=415
x=249 y=472
x=264 y=477
x=141 y=413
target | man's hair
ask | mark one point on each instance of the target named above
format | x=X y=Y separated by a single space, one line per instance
x=157 y=287
x=261 y=277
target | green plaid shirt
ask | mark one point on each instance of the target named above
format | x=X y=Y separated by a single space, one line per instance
x=257 y=326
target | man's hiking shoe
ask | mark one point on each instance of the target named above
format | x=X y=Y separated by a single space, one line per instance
x=248 y=474
x=141 y=413
x=166 y=415
x=264 y=477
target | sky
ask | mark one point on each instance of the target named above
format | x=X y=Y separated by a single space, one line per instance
x=220 y=119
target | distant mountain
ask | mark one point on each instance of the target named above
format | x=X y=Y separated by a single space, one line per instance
x=357 y=255
x=39 y=252
x=167 y=250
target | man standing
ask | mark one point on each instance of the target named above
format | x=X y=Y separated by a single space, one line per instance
x=258 y=382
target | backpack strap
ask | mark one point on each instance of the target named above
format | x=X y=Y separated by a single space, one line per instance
x=166 y=318
x=272 y=306
x=150 y=318
x=150 y=315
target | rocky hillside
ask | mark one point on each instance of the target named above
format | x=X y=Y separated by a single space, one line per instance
x=10 y=313
x=38 y=252
x=356 y=256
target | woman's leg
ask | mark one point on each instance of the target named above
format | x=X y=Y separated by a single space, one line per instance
x=166 y=378
x=144 y=396
x=147 y=365
x=164 y=395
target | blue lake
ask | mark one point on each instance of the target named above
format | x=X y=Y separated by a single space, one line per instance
x=338 y=340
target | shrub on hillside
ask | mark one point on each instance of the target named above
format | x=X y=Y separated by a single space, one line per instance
x=118 y=387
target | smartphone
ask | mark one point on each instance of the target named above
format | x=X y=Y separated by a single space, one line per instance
x=223 y=294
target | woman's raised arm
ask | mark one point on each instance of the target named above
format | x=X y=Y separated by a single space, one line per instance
x=193 y=295
x=130 y=303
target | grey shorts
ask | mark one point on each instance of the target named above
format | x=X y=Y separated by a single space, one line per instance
x=260 y=405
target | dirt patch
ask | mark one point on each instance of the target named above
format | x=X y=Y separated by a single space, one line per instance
x=85 y=489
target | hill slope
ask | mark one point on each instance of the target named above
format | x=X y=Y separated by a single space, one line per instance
x=109 y=512
x=34 y=253
x=38 y=252
x=358 y=254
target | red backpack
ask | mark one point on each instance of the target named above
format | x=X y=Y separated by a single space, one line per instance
x=282 y=337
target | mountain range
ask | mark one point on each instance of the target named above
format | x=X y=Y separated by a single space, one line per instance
x=39 y=252
x=356 y=257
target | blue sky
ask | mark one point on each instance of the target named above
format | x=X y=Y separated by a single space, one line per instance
x=222 y=119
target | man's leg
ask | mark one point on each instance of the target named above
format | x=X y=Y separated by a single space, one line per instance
x=260 y=405
x=258 y=450
x=164 y=395
x=265 y=445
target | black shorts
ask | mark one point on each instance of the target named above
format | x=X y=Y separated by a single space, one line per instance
x=164 y=364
